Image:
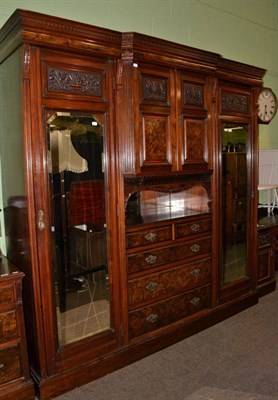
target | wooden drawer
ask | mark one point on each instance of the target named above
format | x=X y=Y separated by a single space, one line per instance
x=160 y=314
x=194 y=227
x=7 y=295
x=149 y=236
x=166 y=255
x=9 y=364
x=8 y=326
x=166 y=283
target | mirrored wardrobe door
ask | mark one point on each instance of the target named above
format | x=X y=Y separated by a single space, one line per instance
x=234 y=202
x=78 y=212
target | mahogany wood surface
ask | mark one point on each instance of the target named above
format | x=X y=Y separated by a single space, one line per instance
x=163 y=105
x=15 y=379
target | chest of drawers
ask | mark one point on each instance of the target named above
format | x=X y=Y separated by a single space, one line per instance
x=15 y=382
x=169 y=272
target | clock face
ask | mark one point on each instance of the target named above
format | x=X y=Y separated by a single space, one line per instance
x=267 y=105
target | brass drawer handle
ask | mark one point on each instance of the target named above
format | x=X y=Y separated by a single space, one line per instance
x=151 y=259
x=151 y=286
x=2 y=366
x=151 y=237
x=152 y=318
x=195 y=248
x=195 y=301
x=195 y=271
x=195 y=227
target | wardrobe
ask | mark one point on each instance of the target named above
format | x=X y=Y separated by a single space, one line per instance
x=117 y=206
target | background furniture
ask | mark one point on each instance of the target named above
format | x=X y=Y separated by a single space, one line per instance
x=15 y=379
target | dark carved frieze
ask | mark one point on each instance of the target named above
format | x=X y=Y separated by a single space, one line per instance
x=235 y=103
x=59 y=80
x=193 y=94
x=154 y=89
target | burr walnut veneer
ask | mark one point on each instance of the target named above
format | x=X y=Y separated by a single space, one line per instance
x=15 y=381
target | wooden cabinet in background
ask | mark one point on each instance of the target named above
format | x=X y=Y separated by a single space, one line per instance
x=15 y=382
x=267 y=252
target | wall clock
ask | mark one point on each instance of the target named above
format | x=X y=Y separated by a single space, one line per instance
x=267 y=106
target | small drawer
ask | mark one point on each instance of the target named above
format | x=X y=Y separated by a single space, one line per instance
x=7 y=295
x=166 y=283
x=193 y=227
x=8 y=326
x=149 y=236
x=9 y=364
x=167 y=255
x=163 y=313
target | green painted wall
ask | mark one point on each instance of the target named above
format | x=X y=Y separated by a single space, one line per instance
x=242 y=30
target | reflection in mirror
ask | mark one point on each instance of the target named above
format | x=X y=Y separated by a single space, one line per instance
x=76 y=172
x=234 y=202
x=154 y=205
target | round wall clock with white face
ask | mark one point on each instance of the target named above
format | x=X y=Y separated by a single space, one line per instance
x=267 y=105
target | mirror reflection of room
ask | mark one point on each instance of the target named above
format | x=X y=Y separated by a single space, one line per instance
x=77 y=177
x=234 y=202
x=154 y=205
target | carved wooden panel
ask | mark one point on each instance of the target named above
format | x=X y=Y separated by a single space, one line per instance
x=156 y=140
x=171 y=254
x=149 y=236
x=154 y=89
x=234 y=102
x=193 y=94
x=195 y=141
x=167 y=282
x=8 y=326
x=74 y=82
x=11 y=366
x=165 y=312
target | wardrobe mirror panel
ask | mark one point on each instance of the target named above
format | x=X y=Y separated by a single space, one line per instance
x=77 y=181
x=234 y=202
